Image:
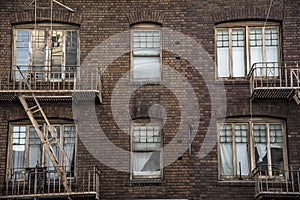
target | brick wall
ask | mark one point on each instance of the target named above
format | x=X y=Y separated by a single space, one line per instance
x=189 y=176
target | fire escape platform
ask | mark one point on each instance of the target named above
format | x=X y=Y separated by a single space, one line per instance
x=273 y=80
x=81 y=86
x=277 y=195
x=272 y=93
x=71 y=195
x=52 y=96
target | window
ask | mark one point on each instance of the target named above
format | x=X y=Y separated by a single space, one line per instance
x=46 y=54
x=145 y=53
x=146 y=154
x=246 y=144
x=239 y=46
x=26 y=150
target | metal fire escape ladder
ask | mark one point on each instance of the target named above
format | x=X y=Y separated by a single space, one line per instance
x=47 y=142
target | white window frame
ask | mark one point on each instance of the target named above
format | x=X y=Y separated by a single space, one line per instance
x=246 y=26
x=251 y=148
x=146 y=27
x=47 y=66
x=43 y=151
x=147 y=174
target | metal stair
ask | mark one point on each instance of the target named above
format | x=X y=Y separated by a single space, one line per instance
x=45 y=140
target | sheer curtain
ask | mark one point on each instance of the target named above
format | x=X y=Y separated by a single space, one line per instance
x=242 y=159
x=226 y=159
x=34 y=148
x=223 y=61
x=146 y=163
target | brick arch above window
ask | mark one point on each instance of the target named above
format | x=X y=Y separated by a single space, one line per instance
x=62 y=16
x=234 y=14
x=145 y=16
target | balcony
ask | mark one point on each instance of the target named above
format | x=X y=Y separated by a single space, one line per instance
x=275 y=183
x=38 y=182
x=50 y=85
x=272 y=80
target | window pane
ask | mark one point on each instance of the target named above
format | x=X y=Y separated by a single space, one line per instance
x=71 y=54
x=238 y=63
x=223 y=62
x=18 y=150
x=146 y=163
x=226 y=159
x=146 y=55
x=146 y=42
x=226 y=149
x=54 y=147
x=35 y=148
x=272 y=56
x=276 y=144
x=223 y=52
x=260 y=144
x=69 y=135
x=146 y=68
x=241 y=142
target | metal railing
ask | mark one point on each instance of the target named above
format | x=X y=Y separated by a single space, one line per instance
x=278 y=181
x=274 y=75
x=49 y=79
x=40 y=181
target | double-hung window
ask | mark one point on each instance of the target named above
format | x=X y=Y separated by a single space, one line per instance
x=45 y=53
x=240 y=45
x=245 y=144
x=145 y=53
x=146 y=154
x=26 y=150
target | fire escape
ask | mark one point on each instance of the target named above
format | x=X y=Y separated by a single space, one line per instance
x=25 y=86
x=276 y=81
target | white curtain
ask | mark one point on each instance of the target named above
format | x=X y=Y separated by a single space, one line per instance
x=68 y=161
x=272 y=56
x=34 y=155
x=226 y=159
x=223 y=62
x=146 y=163
x=262 y=151
x=146 y=67
x=256 y=56
x=238 y=62
x=242 y=157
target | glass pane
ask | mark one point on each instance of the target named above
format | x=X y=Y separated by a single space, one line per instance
x=277 y=160
x=238 y=62
x=69 y=137
x=18 y=150
x=35 y=149
x=226 y=159
x=71 y=53
x=242 y=158
x=146 y=163
x=223 y=62
x=146 y=68
x=146 y=42
x=260 y=144
x=272 y=56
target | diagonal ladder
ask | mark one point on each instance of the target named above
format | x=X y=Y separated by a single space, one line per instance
x=45 y=140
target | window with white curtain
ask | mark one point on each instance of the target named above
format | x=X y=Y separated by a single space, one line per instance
x=240 y=45
x=248 y=143
x=146 y=154
x=45 y=53
x=26 y=150
x=146 y=53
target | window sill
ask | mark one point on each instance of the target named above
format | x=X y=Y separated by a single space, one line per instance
x=232 y=81
x=145 y=182
x=138 y=83
x=236 y=182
